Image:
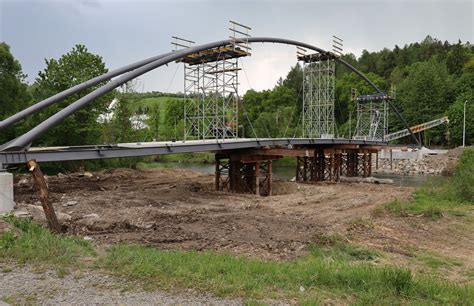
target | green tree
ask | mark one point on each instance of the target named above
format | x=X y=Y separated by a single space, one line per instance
x=70 y=69
x=174 y=114
x=13 y=90
x=425 y=94
x=121 y=124
x=344 y=86
x=464 y=92
x=154 y=121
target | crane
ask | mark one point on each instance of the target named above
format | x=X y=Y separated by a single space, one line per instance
x=416 y=128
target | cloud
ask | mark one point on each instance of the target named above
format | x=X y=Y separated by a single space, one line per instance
x=123 y=32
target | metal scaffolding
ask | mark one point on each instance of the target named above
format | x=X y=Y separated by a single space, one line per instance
x=211 y=87
x=319 y=75
x=372 y=117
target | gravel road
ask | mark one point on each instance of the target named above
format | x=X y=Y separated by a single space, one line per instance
x=24 y=285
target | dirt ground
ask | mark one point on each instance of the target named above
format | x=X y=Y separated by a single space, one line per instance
x=178 y=209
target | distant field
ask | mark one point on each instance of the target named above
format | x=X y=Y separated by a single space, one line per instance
x=151 y=102
x=162 y=103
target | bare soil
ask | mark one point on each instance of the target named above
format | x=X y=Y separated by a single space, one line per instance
x=178 y=209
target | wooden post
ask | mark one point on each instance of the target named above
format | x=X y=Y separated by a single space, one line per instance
x=257 y=178
x=391 y=160
x=43 y=193
x=270 y=177
x=217 y=174
x=377 y=160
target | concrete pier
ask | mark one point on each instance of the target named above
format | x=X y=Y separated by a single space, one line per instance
x=6 y=192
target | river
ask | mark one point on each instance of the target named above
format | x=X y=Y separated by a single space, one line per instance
x=287 y=173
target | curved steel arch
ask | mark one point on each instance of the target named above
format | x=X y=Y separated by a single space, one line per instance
x=70 y=91
x=23 y=141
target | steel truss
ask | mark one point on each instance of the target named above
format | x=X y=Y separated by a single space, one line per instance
x=319 y=77
x=372 y=117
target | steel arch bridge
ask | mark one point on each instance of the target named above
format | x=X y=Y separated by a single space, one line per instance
x=19 y=150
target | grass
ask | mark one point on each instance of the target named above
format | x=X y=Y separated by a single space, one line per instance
x=332 y=270
x=148 y=103
x=321 y=274
x=441 y=195
x=34 y=244
x=435 y=261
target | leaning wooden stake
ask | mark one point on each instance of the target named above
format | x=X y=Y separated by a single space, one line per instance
x=43 y=193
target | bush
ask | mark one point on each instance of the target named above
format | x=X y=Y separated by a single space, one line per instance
x=464 y=176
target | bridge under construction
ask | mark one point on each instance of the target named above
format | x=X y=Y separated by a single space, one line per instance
x=211 y=114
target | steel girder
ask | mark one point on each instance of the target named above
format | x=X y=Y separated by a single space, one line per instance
x=160 y=148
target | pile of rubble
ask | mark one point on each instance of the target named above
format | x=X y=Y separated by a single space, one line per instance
x=439 y=164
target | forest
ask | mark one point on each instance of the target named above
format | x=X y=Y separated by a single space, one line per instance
x=428 y=79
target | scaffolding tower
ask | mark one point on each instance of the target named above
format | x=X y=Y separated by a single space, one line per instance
x=211 y=87
x=319 y=75
x=372 y=116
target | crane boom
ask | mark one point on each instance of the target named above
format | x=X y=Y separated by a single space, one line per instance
x=416 y=129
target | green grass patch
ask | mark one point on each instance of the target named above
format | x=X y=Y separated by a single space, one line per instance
x=151 y=102
x=463 y=183
x=432 y=201
x=470 y=274
x=324 y=273
x=343 y=252
x=34 y=244
x=435 y=261
x=442 y=195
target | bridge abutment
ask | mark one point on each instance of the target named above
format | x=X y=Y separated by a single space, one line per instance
x=6 y=192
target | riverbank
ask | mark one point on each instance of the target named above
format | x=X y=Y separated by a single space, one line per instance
x=310 y=243
x=433 y=163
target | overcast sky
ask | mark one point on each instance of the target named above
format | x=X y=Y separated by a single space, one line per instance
x=123 y=32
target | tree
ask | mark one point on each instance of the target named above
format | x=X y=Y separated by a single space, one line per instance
x=154 y=121
x=457 y=58
x=174 y=115
x=70 y=69
x=464 y=91
x=425 y=94
x=344 y=85
x=13 y=90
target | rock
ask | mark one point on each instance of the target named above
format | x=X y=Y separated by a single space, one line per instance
x=371 y=179
x=62 y=217
x=24 y=181
x=88 y=174
x=302 y=289
x=60 y=175
x=91 y=216
x=89 y=220
x=87 y=238
x=70 y=203
x=22 y=214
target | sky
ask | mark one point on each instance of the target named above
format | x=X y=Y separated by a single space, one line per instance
x=123 y=32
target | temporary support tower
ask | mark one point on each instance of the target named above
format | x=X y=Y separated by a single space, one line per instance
x=319 y=75
x=372 y=117
x=211 y=87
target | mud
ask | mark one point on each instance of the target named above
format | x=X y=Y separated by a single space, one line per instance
x=178 y=209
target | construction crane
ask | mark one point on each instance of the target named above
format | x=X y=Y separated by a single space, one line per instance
x=416 y=129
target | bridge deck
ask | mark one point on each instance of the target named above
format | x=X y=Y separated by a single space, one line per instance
x=48 y=154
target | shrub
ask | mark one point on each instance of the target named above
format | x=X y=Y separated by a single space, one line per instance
x=464 y=176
